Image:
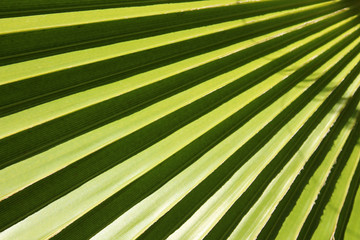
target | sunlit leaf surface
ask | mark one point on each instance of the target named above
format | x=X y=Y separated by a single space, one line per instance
x=179 y=119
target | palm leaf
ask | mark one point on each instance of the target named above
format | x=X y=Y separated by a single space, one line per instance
x=156 y=119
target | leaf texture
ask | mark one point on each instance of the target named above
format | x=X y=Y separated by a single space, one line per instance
x=187 y=119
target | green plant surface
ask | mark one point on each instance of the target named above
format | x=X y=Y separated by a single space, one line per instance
x=189 y=119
